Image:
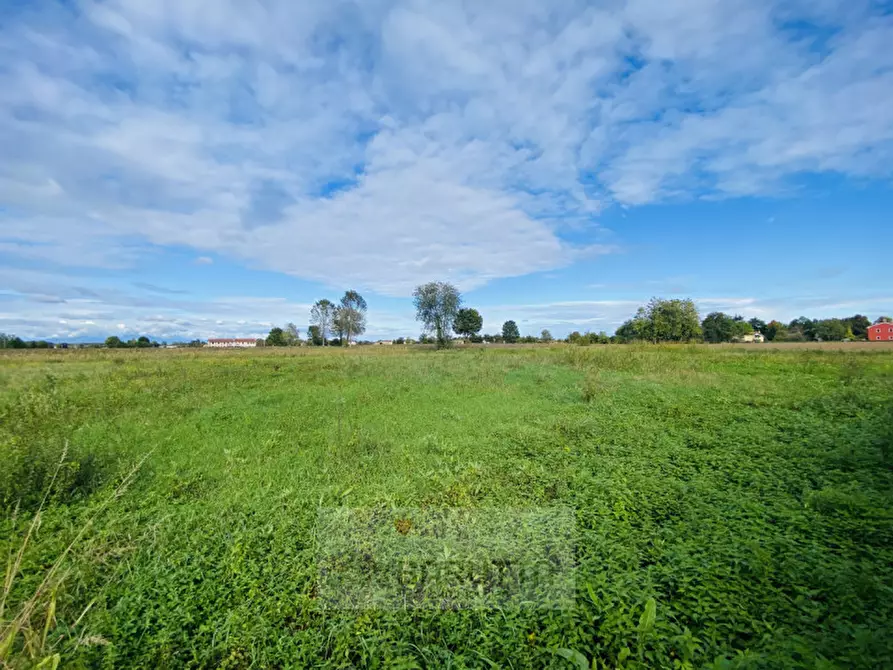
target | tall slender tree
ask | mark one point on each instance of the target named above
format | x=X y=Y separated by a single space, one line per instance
x=322 y=314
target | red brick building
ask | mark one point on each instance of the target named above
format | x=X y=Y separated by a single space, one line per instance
x=880 y=331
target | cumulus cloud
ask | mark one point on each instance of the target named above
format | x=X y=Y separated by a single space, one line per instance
x=391 y=142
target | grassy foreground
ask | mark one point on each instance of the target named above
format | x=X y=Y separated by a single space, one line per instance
x=730 y=507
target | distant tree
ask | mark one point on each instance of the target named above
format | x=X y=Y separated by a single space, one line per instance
x=196 y=343
x=510 y=332
x=717 y=327
x=801 y=329
x=576 y=338
x=774 y=329
x=114 y=342
x=437 y=304
x=424 y=339
x=314 y=336
x=260 y=342
x=758 y=325
x=276 y=338
x=6 y=340
x=292 y=335
x=546 y=336
x=603 y=338
x=830 y=330
x=663 y=321
x=400 y=340
x=351 y=315
x=859 y=325
x=143 y=342
x=468 y=322
x=883 y=319
x=322 y=315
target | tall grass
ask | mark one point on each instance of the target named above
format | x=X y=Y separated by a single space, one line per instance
x=24 y=634
x=731 y=505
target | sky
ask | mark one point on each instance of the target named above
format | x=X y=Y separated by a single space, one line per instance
x=210 y=168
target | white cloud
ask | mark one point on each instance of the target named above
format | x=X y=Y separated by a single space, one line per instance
x=383 y=144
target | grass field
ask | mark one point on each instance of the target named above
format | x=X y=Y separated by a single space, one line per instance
x=730 y=507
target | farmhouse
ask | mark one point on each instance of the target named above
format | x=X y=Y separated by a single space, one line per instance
x=755 y=336
x=385 y=342
x=224 y=342
x=880 y=331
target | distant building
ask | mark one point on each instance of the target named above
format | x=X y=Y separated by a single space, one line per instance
x=385 y=342
x=229 y=343
x=755 y=336
x=880 y=331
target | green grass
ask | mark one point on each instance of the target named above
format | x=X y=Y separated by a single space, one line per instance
x=731 y=507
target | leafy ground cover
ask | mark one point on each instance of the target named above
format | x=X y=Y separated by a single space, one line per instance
x=731 y=507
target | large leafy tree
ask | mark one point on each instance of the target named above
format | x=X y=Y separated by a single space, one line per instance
x=468 y=322
x=437 y=304
x=314 y=336
x=858 y=324
x=545 y=336
x=717 y=327
x=510 y=332
x=351 y=315
x=830 y=330
x=775 y=330
x=322 y=315
x=276 y=338
x=663 y=321
x=672 y=320
x=883 y=319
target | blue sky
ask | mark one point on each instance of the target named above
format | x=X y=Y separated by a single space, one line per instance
x=201 y=168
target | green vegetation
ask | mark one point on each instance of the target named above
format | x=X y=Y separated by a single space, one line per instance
x=731 y=507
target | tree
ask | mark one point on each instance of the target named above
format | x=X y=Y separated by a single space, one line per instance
x=276 y=338
x=859 y=325
x=437 y=304
x=830 y=330
x=775 y=329
x=758 y=325
x=351 y=315
x=801 y=329
x=142 y=342
x=322 y=315
x=113 y=342
x=546 y=336
x=883 y=319
x=663 y=321
x=717 y=327
x=314 y=336
x=468 y=322
x=292 y=335
x=510 y=332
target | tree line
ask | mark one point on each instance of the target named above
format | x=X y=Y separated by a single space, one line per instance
x=439 y=308
x=678 y=321
x=346 y=320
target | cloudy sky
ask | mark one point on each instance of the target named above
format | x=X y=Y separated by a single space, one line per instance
x=200 y=168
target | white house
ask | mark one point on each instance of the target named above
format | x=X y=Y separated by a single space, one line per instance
x=229 y=343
